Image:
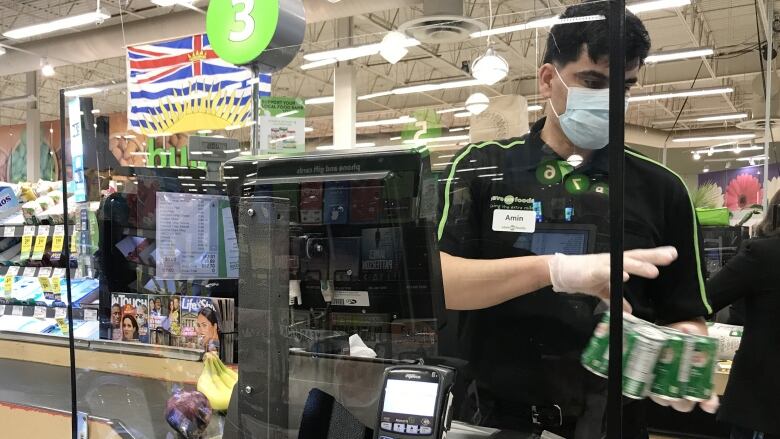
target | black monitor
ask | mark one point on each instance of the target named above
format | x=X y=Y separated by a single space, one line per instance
x=362 y=245
x=566 y=238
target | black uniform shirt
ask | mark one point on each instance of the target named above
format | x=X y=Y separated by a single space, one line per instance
x=527 y=349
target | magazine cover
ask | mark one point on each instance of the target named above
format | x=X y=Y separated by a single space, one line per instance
x=134 y=325
x=203 y=320
x=159 y=323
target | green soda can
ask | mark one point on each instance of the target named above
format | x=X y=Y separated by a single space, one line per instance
x=702 y=361
x=643 y=346
x=595 y=357
x=672 y=369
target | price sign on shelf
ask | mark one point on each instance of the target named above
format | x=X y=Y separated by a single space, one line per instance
x=8 y=282
x=58 y=239
x=40 y=243
x=17 y=310
x=60 y=312
x=9 y=232
x=39 y=312
x=29 y=272
x=27 y=240
x=45 y=284
x=56 y=278
x=74 y=242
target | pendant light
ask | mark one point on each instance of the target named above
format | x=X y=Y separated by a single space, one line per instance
x=393 y=47
x=477 y=103
x=490 y=67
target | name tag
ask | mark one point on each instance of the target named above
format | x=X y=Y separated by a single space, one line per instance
x=522 y=221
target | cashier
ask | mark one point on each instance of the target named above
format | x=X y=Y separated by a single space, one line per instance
x=508 y=204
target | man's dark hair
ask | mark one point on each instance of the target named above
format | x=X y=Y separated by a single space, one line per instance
x=565 y=41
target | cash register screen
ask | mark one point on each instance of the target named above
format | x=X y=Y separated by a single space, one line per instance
x=553 y=238
x=410 y=397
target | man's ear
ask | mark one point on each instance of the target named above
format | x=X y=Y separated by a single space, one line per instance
x=546 y=76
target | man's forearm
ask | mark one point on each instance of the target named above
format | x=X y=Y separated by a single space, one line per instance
x=478 y=283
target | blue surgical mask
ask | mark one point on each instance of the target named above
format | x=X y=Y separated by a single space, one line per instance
x=586 y=119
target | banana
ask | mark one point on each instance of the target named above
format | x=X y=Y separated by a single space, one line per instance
x=228 y=375
x=218 y=374
x=212 y=386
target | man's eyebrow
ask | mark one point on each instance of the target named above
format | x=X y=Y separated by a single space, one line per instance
x=592 y=75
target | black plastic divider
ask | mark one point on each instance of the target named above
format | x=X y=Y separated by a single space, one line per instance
x=74 y=424
x=617 y=75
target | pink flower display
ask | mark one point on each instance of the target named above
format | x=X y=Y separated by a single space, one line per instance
x=742 y=191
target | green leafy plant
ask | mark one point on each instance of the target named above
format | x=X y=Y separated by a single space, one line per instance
x=707 y=196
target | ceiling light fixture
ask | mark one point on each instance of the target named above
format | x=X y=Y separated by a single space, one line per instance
x=320 y=63
x=393 y=47
x=320 y=100
x=535 y=108
x=535 y=24
x=348 y=53
x=375 y=123
x=706 y=170
x=458 y=129
x=47 y=69
x=674 y=55
x=477 y=103
x=696 y=156
x=462 y=114
x=52 y=26
x=682 y=94
x=308 y=129
x=718 y=137
x=378 y=94
x=2 y=50
x=490 y=67
x=720 y=117
x=423 y=88
x=165 y=3
x=436 y=139
x=91 y=90
x=450 y=110
x=95 y=111
x=655 y=5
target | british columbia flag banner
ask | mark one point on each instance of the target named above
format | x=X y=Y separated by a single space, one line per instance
x=182 y=85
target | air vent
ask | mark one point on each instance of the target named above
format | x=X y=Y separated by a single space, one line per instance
x=443 y=22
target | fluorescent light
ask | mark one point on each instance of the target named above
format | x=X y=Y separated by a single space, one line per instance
x=378 y=94
x=705 y=170
x=534 y=108
x=287 y=113
x=205 y=131
x=82 y=92
x=2 y=50
x=450 y=110
x=308 y=129
x=53 y=26
x=722 y=117
x=320 y=100
x=95 y=111
x=232 y=127
x=654 y=5
x=320 y=63
x=697 y=156
x=674 y=55
x=535 y=24
x=757 y=157
x=462 y=114
x=436 y=139
x=489 y=68
x=349 y=53
x=395 y=138
x=422 y=88
x=375 y=123
x=681 y=94
x=173 y=2
x=708 y=138
x=458 y=129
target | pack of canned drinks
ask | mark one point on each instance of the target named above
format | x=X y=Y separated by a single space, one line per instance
x=657 y=361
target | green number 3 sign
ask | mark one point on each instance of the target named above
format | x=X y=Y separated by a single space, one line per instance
x=240 y=31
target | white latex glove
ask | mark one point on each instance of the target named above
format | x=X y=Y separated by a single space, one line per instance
x=683 y=405
x=589 y=274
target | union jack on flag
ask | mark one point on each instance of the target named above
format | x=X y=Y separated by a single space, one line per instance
x=182 y=85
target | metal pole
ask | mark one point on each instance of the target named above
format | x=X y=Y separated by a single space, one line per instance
x=617 y=75
x=74 y=424
x=255 y=129
x=770 y=11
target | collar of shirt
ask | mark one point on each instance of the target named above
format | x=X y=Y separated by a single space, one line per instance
x=598 y=162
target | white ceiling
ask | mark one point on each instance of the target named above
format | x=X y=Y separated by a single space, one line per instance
x=727 y=25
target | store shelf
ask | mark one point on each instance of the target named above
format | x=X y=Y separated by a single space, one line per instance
x=18 y=231
x=49 y=312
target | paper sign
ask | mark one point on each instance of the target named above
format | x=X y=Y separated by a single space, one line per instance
x=90 y=315
x=39 y=312
x=9 y=232
x=58 y=239
x=2 y=309
x=27 y=240
x=74 y=242
x=17 y=310
x=44 y=272
x=8 y=282
x=60 y=312
x=29 y=272
x=45 y=283
x=55 y=284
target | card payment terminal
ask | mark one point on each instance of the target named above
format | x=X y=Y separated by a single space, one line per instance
x=415 y=403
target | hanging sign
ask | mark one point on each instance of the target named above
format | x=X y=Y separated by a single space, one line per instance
x=266 y=34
